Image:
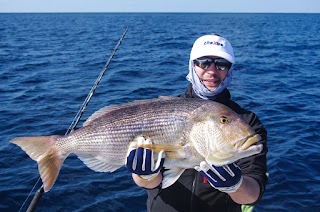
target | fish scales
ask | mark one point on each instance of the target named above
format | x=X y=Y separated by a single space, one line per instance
x=166 y=125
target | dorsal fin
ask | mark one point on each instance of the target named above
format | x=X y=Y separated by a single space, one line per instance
x=99 y=113
x=111 y=108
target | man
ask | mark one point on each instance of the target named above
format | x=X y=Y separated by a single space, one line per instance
x=206 y=187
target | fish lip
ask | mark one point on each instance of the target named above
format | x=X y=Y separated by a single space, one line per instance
x=246 y=142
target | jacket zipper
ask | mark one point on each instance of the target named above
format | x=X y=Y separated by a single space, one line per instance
x=193 y=191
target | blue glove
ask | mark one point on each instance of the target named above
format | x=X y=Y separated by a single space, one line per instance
x=141 y=161
x=227 y=178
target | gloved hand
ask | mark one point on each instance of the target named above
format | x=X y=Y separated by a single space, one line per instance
x=227 y=178
x=141 y=161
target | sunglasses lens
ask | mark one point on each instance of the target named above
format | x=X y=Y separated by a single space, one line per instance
x=205 y=64
x=222 y=64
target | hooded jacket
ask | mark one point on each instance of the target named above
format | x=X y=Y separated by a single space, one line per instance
x=191 y=192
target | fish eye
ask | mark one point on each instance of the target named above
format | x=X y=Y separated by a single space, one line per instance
x=224 y=120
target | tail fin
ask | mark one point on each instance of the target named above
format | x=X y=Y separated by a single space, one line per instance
x=48 y=157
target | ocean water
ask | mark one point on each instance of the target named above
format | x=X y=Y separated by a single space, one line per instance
x=49 y=62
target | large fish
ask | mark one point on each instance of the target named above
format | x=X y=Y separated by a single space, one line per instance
x=188 y=130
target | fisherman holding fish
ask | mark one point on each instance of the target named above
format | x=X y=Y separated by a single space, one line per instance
x=197 y=152
x=206 y=187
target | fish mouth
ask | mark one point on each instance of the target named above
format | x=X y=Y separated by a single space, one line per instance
x=248 y=141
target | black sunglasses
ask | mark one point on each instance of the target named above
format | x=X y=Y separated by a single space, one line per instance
x=205 y=62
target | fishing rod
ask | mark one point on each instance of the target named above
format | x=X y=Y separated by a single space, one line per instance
x=77 y=118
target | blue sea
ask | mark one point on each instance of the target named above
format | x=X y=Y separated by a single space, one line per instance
x=49 y=62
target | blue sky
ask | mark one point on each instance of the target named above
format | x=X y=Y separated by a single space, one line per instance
x=276 y=6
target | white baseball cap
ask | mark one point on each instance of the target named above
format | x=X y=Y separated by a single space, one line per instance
x=212 y=45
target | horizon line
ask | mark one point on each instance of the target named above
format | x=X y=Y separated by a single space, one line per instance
x=157 y=12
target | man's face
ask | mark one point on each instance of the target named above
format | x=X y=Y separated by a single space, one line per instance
x=211 y=72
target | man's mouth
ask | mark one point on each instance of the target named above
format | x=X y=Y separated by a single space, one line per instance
x=214 y=81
